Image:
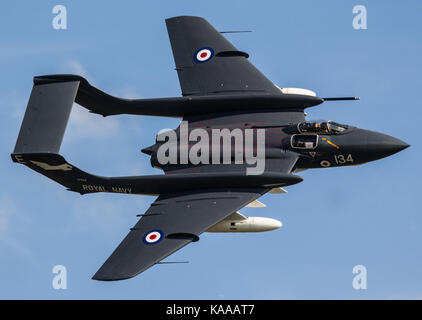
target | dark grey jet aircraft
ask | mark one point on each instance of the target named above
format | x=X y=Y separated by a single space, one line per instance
x=221 y=89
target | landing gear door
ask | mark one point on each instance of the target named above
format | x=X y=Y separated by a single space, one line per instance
x=304 y=141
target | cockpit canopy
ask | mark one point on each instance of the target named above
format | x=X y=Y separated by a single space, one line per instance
x=321 y=127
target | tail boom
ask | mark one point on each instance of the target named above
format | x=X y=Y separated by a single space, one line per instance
x=55 y=167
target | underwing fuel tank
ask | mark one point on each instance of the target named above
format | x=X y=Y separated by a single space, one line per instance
x=239 y=223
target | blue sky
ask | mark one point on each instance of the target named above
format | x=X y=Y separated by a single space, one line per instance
x=333 y=220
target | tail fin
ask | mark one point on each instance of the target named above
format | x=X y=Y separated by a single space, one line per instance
x=55 y=167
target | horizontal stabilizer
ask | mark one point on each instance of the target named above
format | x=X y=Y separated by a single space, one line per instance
x=46 y=118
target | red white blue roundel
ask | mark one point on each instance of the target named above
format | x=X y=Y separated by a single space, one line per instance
x=203 y=55
x=325 y=163
x=153 y=237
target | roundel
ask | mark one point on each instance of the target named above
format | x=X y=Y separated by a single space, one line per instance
x=325 y=163
x=153 y=236
x=203 y=54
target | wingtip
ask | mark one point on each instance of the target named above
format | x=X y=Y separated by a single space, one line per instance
x=178 y=18
x=108 y=279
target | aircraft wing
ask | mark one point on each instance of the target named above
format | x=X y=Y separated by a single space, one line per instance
x=172 y=221
x=208 y=64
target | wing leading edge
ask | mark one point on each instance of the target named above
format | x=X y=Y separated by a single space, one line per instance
x=172 y=221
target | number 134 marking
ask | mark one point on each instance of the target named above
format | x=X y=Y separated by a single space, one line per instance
x=342 y=159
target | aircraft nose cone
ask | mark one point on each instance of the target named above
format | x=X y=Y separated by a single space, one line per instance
x=382 y=145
